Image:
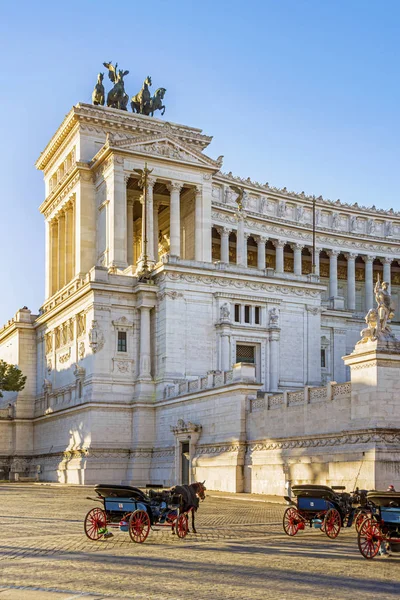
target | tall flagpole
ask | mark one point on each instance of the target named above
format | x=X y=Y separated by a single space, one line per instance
x=144 y=274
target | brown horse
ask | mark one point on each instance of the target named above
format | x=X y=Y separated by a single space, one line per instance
x=191 y=494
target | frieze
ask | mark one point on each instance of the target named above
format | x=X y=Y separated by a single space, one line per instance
x=376 y=363
x=239 y=284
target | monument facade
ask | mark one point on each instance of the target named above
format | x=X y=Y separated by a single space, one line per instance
x=225 y=362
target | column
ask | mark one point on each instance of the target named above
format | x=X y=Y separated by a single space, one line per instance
x=73 y=239
x=386 y=271
x=129 y=231
x=351 y=281
x=369 y=282
x=225 y=350
x=224 y=233
x=61 y=250
x=144 y=357
x=297 y=248
x=156 y=204
x=240 y=243
x=68 y=243
x=279 y=245
x=116 y=182
x=274 y=360
x=54 y=255
x=198 y=199
x=316 y=260
x=261 y=240
x=333 y=281
x=48 y=234
x=175 y=219
x=245 y=238
x=150 y=219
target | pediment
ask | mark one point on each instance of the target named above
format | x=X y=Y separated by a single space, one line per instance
x=166 y=147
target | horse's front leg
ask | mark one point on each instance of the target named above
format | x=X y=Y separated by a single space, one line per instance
x=193 y=527
x=163 y=110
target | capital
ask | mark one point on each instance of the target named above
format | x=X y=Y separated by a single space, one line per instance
x=198 y=190
x=387 y=260
x=333 y=253
x=260 y=239
x=350 y=256
x=151 y=182
x=279 y=243
x=175 y=186
x=368 y=259
x=297 y=247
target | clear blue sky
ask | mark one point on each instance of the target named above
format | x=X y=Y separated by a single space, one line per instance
x=300 y=93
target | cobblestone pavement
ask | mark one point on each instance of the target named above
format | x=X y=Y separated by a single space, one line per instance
x=239 y=552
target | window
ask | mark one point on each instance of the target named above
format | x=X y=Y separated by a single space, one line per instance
x=121 y=341
x=247 y=314
x=323 y=358
x=257 y=315
x=237 y=313
x=245 y=353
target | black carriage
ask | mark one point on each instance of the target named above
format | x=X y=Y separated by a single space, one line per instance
x=132 y=510
x=318 y=506
x=383 y=526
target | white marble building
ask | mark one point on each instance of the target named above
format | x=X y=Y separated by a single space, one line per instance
x=146 y=382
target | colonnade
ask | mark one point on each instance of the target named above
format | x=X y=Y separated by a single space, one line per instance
x=152 y=229
x=241 y=260
x=61 y=247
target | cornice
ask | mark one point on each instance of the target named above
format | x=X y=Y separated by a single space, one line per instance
x=293 y=232
x=111 y=119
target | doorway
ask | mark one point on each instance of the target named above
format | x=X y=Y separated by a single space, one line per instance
x=185 y=463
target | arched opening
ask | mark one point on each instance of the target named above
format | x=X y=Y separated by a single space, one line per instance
x=377 y=269
x=232 y=247
x=216 y=245
x=306 y=261
x=251 y=252
x=288 y=259
x=270 y=255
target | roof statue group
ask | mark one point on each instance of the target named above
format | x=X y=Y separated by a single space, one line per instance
x=377 y=318
x=143 y=103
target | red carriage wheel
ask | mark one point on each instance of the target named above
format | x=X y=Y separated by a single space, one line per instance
x=291 y=521
x=332 y=523
x=139 y=526
x=369 y=538
x=182 y=525
x=360 y=518
x=95 y=524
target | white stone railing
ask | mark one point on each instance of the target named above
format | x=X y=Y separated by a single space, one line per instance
x=241 y=372
x=60 y=296
x=308 y=395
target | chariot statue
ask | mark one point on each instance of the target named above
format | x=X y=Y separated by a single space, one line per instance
x=145 y=104
x=98 y=95
x=117 y=97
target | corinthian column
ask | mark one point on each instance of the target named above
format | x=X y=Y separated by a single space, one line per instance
x=150 y=219
x=369 y=282
x=224 y=234
x=61 y=250
x=144 y=358
x=261 y=240
x=386 y=271
x=156 y=204
x=333 y=278
x=351 y=281
x=274 y=360
x=279 y=246
x=198 y=224
x=129 y=231
x=241 y=250
x=297 y=248
x=316 y=261
x=175 y=218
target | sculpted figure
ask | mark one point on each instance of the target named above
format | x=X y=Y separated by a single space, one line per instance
x=299 y=213
x=370 y=226
x=98 y=92
x=224 y=311
x=156 y=102
x=281 y=209
x=335 y=221
x=117 y=98
x=140 y=103
x=273 y=316
x=241 y=197
x=353 y=223
x=388 y=228
x=263 y=204
x=385 y=309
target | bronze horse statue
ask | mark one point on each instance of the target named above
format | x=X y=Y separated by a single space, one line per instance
x=117 y=98
x=191 y=494
x=156 y=102
x=140 y=102
x=98 y=92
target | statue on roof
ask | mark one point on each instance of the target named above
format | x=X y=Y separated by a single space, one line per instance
x=98 y=95
x=145 y=104
x=117 y=97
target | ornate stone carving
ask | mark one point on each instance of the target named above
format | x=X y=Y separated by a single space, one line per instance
x=182 y=427
x=377 y=318
x=225 y=312
x=273 y=317
x=96 y=337
x=81 y=350
x=63 y=358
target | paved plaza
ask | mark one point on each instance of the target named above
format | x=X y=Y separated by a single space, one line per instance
x=240 y=551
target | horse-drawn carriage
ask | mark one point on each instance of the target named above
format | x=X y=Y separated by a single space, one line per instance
x=130 y=509
x=383 y=526
x=321 y=507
